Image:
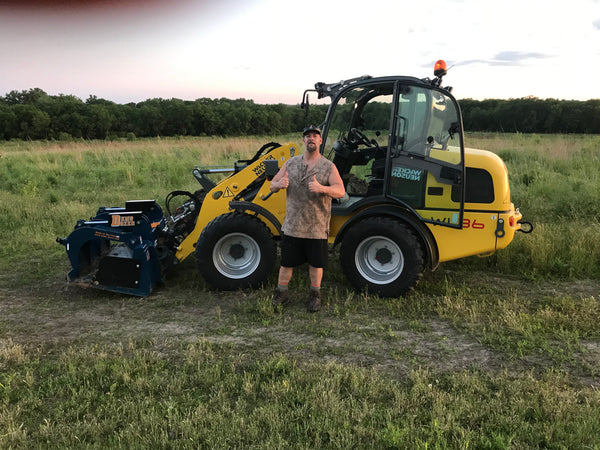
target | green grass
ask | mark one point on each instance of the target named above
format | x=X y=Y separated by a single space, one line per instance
x=205 y=395
x=497 y=352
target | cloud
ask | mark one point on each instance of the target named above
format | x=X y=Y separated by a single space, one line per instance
x=506 y=58
x=512 y=58
x=596 y=24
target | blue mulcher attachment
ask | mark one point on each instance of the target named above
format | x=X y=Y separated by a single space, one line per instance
x=117 y=249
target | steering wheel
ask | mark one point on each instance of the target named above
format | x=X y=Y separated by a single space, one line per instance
x=362 y=138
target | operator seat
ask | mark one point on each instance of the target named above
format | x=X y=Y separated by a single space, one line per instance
x=342 y=158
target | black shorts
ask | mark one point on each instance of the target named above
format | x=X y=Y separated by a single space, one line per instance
x=297 y=251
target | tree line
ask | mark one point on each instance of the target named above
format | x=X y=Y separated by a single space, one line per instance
x=33 y=114
x=532 y=115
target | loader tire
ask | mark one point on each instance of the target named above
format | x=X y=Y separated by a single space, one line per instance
x=235 y=251
x=382 y=256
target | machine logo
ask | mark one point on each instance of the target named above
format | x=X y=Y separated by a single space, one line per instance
x=122 y=221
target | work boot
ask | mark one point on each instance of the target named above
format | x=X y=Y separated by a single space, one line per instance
x=314 y=303
x=280 y=297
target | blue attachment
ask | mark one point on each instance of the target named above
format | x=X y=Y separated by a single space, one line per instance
x=116 y=249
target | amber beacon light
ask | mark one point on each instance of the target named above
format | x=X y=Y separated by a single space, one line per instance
x=440 y=68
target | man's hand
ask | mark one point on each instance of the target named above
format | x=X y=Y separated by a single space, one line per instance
x=285 y=181
x=314 y=186
x=335 y=189
x=280 y=181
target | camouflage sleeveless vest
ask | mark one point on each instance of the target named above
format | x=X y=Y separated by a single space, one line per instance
x=307 y=214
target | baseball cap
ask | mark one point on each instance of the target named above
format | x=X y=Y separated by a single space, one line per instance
x=311 y=129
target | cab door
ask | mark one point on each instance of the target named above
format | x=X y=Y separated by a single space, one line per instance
x=425 y=167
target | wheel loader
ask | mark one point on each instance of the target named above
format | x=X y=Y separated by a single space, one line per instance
x=415 y=197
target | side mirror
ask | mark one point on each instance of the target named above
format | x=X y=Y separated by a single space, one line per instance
x=305 y=103
x=271 y=168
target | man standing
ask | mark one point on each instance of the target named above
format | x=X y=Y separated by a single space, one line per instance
x=311 y=181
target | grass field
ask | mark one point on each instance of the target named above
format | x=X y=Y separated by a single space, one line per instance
x=497 y=352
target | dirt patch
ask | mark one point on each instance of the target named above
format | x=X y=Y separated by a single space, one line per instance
x=366 y=336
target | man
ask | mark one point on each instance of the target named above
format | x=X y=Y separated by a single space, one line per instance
x=311 y=181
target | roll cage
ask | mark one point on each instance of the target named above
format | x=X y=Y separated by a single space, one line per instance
x=414 y=159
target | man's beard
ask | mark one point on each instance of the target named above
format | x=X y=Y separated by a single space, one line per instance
x=311 y=147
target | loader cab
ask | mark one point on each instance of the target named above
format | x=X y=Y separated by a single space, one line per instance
x=398 y=140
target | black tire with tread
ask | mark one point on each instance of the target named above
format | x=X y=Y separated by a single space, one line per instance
x=235 y=251
x=397 y=244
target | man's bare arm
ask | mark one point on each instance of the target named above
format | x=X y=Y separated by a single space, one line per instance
x=335 y=188
x=280 y=180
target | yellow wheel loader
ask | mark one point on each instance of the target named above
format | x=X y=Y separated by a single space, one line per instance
x=416 y=197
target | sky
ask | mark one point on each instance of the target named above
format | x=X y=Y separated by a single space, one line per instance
x=270 y=51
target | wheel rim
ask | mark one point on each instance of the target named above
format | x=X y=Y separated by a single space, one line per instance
x=379 y=260
x=236 y=255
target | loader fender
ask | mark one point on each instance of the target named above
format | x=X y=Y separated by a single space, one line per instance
x=249 y=206
x=405 y=216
